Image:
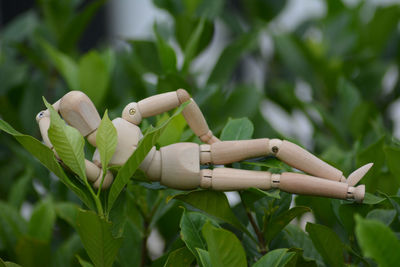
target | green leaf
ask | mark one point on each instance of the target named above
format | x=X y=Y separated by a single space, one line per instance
x=229 y=58
x=278 y=223
x=146 y=53
x=262 y=193
x=166 y=53
x=224 y=247
x=296 y=237
x=275 y=258
x=179 y=257
x=264 y=10
x=106 y=140
x=214 y=203
x=46 y=156
x=173 y=132
x=384 y=216
x=67 y=211
x=8 y=264
x=129 y=168
x=378 y=242
x=327 y=243
x=372 y=199
x=65 y=253
x=204 y=257
x=68 y=143
x=42 y=221
x=237 y=129
x=192 y=45
x=268 y=163
x=20 y=188
x=12 y=225
x=191 y=225
x=93 y=76
x=96 y=236
x=373 y=153
x=77 y=25
x=32 y=252
x=64 y=64
x=188 y=28
x=83 y=263
x=128 y=257
x=392 y=159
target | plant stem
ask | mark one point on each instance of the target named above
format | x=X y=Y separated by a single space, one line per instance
x=260 y=236
x=143 y=254
x=96 y=198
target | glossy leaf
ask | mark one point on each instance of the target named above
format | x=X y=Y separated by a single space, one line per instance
x=20 y=188
x=42 y=221
x=296 y=237
x=327 y=243
x=213 y=203
x=179 y=257
x=237 y=129
x=204 y=257
x=12 y=225
x=46 y=156
x=191 y=224
x=65 y=254
x=96 y=236
x=372 y=199
x=278 y=257
x=277 y=224
x=166 y=54
x=64 y=64
x=223 y=247
x=193 y=44
x=32 y=252
x=384 y=216
x=230 y=58
x=83 y=263
x=93 y=76
x=68 y=143
x=377 y=241
x=67 y=211
x=76 y=27
x=106 y=140
x=393 y=157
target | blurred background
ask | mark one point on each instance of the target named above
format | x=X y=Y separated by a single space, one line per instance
x=323 y=74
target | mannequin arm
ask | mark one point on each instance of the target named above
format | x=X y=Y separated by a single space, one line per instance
x=43 y=119
x=154 y=105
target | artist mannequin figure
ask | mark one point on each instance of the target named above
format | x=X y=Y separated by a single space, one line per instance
x=178 y=165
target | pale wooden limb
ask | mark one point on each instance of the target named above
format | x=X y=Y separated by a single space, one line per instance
x=43 y=119
x=228 y=179
x=79 y=111
x=314 y=186
x=94 y=174
x=233 y=151
x=303 y=160
x=154 y=105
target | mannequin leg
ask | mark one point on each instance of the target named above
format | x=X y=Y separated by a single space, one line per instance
x=226 y=179
x=233 y=151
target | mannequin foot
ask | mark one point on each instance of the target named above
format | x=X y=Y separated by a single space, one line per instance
x=356 y=193
x=357 y=175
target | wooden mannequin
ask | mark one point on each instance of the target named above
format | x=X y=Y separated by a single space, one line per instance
x=178 y=165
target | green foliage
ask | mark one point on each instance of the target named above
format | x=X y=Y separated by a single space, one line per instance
x=330 y=71
x=97 y=238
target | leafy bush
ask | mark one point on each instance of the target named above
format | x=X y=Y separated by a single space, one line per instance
x=329 y=71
